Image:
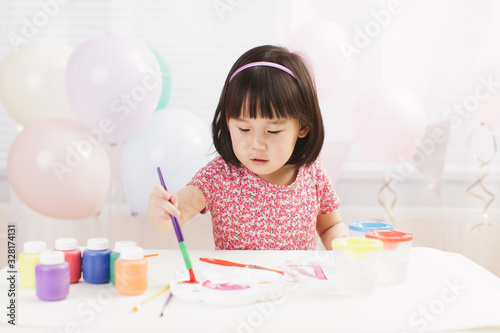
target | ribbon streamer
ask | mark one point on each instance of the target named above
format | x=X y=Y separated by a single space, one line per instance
x=482 y=173
x=389 y=188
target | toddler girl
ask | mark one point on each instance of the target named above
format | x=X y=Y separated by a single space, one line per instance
x=267 y=190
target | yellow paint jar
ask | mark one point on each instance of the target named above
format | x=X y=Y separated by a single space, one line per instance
x=28 y=260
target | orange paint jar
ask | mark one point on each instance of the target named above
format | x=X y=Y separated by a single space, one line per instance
x=131 y=272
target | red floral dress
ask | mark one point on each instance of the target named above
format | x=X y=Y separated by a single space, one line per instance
x=249 y=213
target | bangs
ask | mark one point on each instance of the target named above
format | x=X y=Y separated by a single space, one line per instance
x=258 y=93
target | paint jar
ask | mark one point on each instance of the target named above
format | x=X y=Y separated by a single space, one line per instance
x=359 y=229
x=116 y=254
x=72 y=255
x=52 y=276
x=95 y=261
x=395 y=254
x=356 y=264
x=28 y=260
x=131 y=271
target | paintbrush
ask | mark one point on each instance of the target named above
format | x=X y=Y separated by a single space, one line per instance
x=150 y=298
x=166 y=303
x=230 y=263
x=180 y=237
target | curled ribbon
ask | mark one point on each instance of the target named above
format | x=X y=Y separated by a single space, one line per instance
x=483 y=171
x=389 y=188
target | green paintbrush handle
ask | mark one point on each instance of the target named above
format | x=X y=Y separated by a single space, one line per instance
x=185 y=255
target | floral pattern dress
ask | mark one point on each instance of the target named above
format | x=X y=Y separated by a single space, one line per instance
x=249 y=213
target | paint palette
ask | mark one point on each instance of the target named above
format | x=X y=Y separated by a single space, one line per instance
x=229 y=286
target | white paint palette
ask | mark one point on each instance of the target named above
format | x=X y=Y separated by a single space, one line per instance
x=229 y=286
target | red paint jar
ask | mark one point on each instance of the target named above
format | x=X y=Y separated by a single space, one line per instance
x=72 y=255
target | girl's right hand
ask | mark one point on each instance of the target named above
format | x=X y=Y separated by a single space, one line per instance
x=161 y=205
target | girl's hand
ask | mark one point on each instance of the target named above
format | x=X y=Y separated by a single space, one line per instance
x=161 y=205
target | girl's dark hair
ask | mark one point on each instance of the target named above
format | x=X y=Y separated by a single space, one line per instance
x=268 y=93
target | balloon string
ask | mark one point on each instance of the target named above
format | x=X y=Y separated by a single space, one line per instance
x=114 y=153
x=388 y=210
x=484 y=164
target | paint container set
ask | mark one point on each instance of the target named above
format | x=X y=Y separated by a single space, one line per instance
x=51 y=272
x=374 y=254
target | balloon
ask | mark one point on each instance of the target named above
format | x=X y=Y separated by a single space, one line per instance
x=485 y=90
x=319 y=41
x=114 y=84
x=176 y=140
x=33 y=82
x=166 y=79
x=333 y=156
x=388 y=122
x=59 y=169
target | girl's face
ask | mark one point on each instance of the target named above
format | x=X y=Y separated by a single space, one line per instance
x=265 y=145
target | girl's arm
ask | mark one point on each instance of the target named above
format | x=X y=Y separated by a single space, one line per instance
x=184 y=205
x=329 y=227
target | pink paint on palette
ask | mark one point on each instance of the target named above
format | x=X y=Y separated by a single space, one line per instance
x=224 y=286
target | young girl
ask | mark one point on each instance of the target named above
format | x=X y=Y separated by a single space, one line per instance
x=267 y=190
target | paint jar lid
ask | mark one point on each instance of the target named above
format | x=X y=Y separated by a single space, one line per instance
x=390 y=235
x=120 y=245
x=132 y=253
x=51 y=257
x=35 y=246
x=364 y=226
x=64 y=244
x=357 y=244
x=97 y=244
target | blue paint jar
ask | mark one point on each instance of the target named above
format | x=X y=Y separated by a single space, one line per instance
x=95 y=261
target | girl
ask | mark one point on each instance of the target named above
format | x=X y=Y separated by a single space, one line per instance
x=267 y=190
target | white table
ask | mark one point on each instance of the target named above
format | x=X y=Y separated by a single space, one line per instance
x=444 y=291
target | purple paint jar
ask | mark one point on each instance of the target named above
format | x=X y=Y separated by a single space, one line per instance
x=52 y=276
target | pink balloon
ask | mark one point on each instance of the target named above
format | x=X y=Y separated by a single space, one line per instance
x=59 y=169
x=114 y=84
x=484 y=100
x=388 y=123
x=333 y=156
x=319 y=42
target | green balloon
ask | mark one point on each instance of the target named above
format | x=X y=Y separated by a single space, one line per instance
x=166 y=79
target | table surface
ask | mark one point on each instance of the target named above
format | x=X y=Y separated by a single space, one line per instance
x=444 y=291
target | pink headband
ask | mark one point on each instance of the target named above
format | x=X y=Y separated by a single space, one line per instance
x=263 y=63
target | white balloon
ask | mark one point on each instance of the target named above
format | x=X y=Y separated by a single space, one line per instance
x=33 y=81
x=176 y=140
